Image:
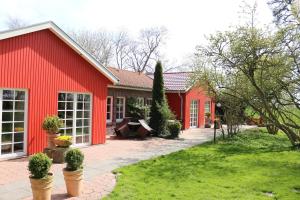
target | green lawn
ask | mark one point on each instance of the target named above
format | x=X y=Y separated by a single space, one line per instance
x=253 y=166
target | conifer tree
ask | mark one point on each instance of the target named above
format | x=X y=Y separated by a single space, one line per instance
x=160 y=112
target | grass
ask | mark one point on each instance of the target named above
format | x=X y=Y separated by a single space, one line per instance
x=254 y=165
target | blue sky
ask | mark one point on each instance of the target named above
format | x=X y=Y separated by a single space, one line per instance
x=187 y=21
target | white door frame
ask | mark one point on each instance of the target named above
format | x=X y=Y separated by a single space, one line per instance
x=25 y=147
x=194 y=110
x=75 y=117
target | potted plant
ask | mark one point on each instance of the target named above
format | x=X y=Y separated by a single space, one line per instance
x=62 y=146
x=63 y=141
x=207 y=120
x=217 y=123
x=73 y=173
x=51 y=125
x=40 y=178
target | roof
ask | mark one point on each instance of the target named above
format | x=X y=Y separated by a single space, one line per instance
x=132 y=80
x=65 y=38
x=176 y=81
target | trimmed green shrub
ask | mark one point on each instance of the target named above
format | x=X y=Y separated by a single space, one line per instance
x=74 y=159
x=39 y=165
x=52 y=124
x=174 y=128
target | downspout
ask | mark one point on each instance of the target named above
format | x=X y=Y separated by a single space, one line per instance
x=181 y=107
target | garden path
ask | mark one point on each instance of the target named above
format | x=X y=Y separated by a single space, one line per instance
x=100 y=160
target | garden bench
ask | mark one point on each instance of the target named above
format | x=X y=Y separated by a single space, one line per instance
x=144 y=130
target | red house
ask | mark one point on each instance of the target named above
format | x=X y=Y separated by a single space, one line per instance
x=44 y=72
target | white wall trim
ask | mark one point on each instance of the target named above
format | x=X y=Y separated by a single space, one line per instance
x=111 y=108
x=124 y=110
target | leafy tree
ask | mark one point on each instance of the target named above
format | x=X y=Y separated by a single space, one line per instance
x=253 y=66
x=160 y=111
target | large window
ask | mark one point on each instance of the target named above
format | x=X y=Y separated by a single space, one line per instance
x=109 y=106
x=12 y=119
x=140 y=101
x=207 y=107
x=120 y=108
x=75 y=111
x=149 y=102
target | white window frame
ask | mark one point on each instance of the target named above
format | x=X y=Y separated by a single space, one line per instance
x=148 y=100
x=75 y=117
x=149 y=105
x=120 y=119
x=18 y=154
x=209 y=103
x=140 y=101
x=194 y=113
x=111 y=109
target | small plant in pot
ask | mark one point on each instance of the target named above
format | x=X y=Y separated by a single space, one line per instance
x=207 y=120
x=63 y=141
x=51 y=125
x=40 y=178
x=62 y=147
x=73 y=173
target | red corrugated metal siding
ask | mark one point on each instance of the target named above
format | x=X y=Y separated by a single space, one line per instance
x=174 y=103
x=44 y=65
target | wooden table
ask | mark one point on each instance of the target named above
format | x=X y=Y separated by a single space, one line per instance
x=134 y=126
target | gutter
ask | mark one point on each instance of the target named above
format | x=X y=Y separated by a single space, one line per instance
x=129 y=88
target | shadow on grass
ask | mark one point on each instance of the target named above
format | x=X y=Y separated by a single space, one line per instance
x=254 y=141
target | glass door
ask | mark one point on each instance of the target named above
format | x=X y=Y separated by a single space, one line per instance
x=194 y=114
x=13 y=123
x=75 y=111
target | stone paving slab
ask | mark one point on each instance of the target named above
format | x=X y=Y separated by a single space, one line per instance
x=100 y=160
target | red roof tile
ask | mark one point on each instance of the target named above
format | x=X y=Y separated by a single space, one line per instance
x=176 y=80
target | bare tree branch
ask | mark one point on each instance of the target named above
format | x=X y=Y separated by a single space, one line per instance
x=15 y=23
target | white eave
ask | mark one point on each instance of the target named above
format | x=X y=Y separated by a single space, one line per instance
x=64 y=37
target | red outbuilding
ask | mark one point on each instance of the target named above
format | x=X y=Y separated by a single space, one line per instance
x=44 y=72
x=189 y=103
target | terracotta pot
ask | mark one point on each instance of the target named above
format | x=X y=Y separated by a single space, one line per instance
x=207 y=126
x=73 y=181
x=51 y=138
x=58 y=154
x=41 y=188
x=61 y=143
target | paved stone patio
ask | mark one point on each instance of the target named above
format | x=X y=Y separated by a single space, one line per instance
x=100 y=160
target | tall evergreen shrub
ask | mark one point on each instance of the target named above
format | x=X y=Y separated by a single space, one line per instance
x=160 y=112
